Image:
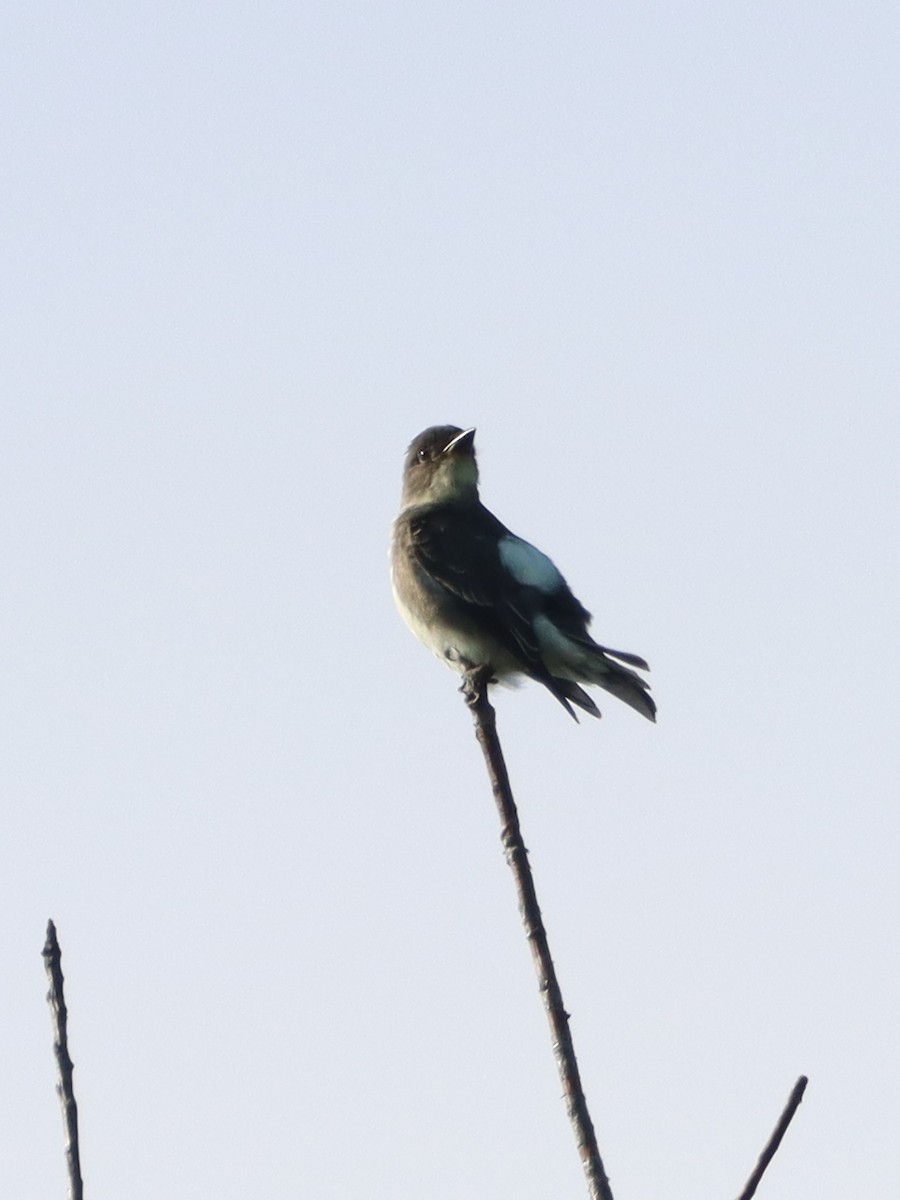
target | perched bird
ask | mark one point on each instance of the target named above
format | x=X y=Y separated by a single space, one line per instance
x=478 y=596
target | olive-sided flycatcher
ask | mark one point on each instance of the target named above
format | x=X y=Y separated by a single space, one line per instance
x=478 y=596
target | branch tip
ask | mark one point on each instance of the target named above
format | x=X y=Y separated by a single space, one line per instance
x=774 y=1141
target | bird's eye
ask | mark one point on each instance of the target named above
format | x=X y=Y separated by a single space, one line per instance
x=422 y=456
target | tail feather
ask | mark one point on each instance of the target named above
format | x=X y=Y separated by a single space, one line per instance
x=573 y=660
x=622 y=682
x=587 y=642
x=633 y=660
x=630 y=688
x=567 y=689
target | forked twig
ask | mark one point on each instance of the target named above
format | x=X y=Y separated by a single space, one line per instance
x=475 y=691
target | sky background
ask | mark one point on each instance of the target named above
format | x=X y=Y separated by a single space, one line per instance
x=652 y=253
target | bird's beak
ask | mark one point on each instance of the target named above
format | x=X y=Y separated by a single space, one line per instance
x=461 y=441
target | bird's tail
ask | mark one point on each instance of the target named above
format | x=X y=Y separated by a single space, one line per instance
x=621 y=681
x=583 y=661
x=573 y=659
x=567 y=689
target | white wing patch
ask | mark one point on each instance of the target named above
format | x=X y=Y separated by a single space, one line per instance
x=528 y=565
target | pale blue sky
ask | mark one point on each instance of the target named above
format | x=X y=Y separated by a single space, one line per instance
x=249 y=252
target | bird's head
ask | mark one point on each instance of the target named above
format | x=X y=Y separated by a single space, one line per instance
x=440 y=466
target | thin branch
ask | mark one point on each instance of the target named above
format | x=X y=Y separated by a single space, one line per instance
x=64 y=1088
x=775 y=1140
x=475 y=691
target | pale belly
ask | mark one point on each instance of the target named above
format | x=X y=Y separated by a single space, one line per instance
x=451 y=636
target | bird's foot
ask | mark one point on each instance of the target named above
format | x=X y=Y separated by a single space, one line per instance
x=474 y=684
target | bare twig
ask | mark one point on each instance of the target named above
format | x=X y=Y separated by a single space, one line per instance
x=475 y=691
x=775 y=1140
x=64 y=1088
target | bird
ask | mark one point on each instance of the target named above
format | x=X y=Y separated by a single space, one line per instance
x=480 y=597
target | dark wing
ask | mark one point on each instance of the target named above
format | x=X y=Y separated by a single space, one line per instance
x=458 y=547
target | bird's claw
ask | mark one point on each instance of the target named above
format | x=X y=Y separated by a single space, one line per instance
x=474 y=684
